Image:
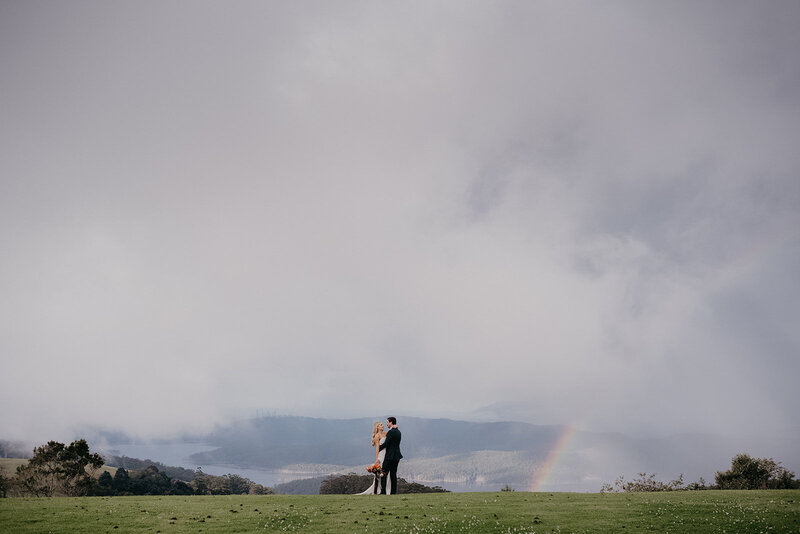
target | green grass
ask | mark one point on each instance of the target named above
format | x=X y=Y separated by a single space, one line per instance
x=501 y=512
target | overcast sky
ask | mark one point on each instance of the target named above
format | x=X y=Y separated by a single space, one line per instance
x=561 y=212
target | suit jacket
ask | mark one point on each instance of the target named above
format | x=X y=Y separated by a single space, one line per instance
x=392 y=445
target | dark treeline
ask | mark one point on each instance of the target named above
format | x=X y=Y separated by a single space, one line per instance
x=132 y=464
x=147 y=481
x=56 y=469
x=151 y=481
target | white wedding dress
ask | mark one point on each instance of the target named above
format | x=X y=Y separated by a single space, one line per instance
x=371 y=490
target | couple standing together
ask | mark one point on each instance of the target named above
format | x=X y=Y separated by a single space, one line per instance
x=387 y=454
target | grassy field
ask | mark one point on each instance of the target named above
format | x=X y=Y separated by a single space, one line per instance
x=9 y=465
x=501 y=512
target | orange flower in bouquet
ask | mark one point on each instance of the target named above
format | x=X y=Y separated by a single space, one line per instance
x=375 y=469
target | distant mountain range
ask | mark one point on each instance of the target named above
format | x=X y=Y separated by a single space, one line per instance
x=272 y=442
x=462 y=455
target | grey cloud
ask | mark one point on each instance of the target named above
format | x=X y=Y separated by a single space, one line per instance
x=574 y=208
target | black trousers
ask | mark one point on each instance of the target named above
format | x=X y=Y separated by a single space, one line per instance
x=390 y=468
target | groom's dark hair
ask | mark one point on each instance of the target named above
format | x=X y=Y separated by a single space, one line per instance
x=392 y=420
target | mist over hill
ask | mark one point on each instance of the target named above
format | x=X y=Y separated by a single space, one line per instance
x=270 y=442
x=463 y=455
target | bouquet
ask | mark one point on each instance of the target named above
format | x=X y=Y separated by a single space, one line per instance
x=375 y=469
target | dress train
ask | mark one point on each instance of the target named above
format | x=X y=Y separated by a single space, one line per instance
x=372 y=490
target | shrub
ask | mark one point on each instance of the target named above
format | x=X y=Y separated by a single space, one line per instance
x=645 y=482
x=755 y=473
x=351 y=484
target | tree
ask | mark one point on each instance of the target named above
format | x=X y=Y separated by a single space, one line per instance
x=122 y=482
x=179 y=487
x=199 y=483
x=105 y=480
x=105 y=483
x=42 y=474
x=258 y=489
x=238 y=485
x=58 y=469
x=150 y=481
x=755 y=473
x=3 y=484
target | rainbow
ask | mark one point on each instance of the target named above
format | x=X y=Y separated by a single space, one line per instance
x=542 y=475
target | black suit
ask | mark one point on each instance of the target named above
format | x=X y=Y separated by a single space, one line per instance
x=392 y=459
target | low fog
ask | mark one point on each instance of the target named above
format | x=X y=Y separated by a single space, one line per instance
x=555 y=212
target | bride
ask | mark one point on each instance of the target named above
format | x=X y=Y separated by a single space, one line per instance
x=378 y=437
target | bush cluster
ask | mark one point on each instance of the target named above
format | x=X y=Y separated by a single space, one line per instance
x=745 y=473
x=351 y=484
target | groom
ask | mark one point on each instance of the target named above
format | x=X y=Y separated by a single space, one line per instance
x=393 y=456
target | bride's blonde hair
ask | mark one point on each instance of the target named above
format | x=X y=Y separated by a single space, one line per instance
x=376 y=433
